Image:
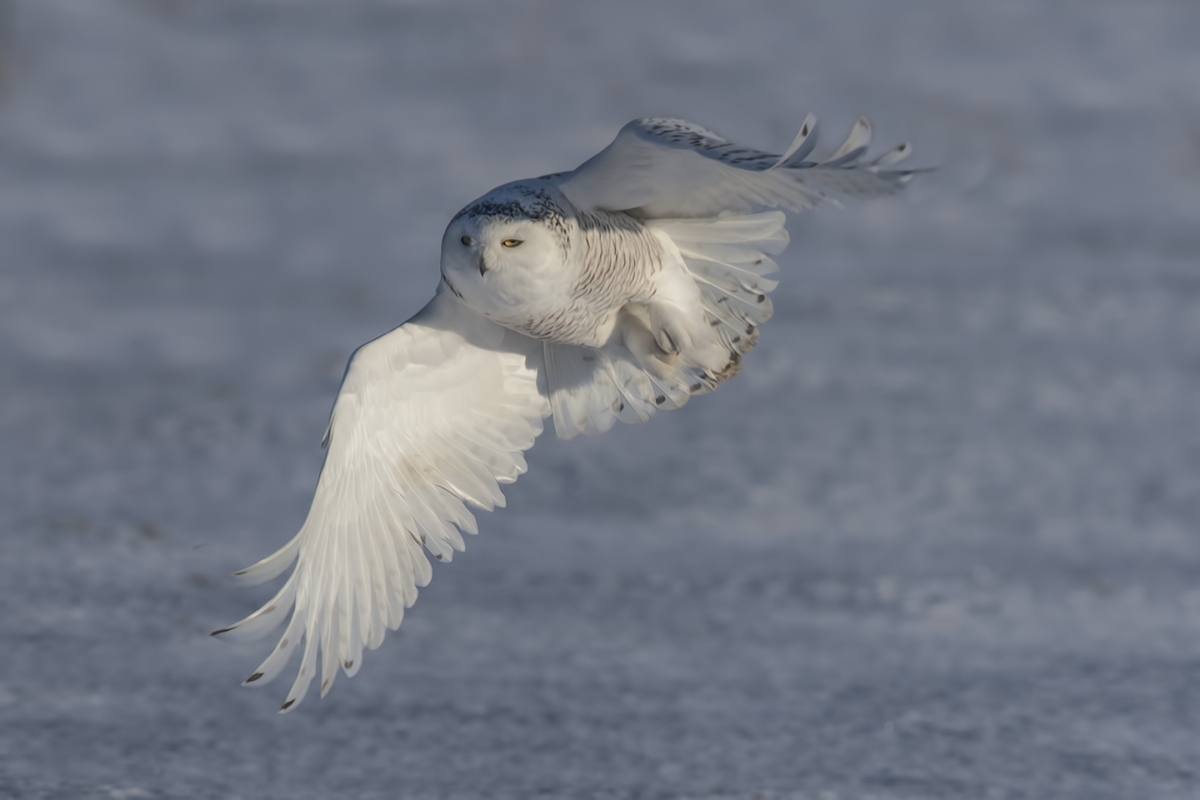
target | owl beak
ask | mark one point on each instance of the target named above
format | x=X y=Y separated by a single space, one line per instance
x=482 y=268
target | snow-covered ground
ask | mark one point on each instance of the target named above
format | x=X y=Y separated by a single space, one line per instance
x=940 y=538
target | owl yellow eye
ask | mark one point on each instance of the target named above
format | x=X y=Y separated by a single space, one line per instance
x=511 y=242
x=466 y=240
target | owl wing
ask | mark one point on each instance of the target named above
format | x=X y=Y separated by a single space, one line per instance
x=729 y=261
x=664 y=168
x=430 y=418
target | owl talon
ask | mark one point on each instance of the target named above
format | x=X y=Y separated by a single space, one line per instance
x=666 y=342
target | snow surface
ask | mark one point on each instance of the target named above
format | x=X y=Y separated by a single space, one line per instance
x=938 y=540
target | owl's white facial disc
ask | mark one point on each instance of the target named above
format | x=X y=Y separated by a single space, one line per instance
x=506 y=259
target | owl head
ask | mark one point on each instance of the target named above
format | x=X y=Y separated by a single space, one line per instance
x=508 y=249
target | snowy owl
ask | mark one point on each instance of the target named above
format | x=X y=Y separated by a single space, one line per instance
x=607 y=293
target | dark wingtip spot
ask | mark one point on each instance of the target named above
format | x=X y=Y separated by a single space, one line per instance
x=324 y=684
x=695 y=387
x=804 y=129
x=287 y=705
x=736 y=339
x=219 y=631
x=438 y=556
x=282 y=643
x=348 y=664
x=660 y=400
x=621 y=407
x=762 y=297
x=254 y=677
x=749 y=329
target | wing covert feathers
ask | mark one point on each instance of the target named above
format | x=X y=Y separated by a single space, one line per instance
x=664 y=168
x=430 y=419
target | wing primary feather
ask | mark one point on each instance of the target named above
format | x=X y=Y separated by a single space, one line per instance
x=855 y=145
x=362 y=593
x=311 y=636
x=894 y=156
x=265 y=619
x=342 y=613
x=329 y=636
x=395 y=570
x=803 y=144
x=325 y=634
x=404 y=552
x=378 y=559
x=272 y=566
x=279 y=657
x=372 y=598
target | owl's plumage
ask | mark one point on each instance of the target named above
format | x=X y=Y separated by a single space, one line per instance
x=592 y=296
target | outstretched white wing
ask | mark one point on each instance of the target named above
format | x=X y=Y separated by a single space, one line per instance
x=430 y=417
x=662 y=168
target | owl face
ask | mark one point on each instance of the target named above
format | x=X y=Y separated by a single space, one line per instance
x=503 y=261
